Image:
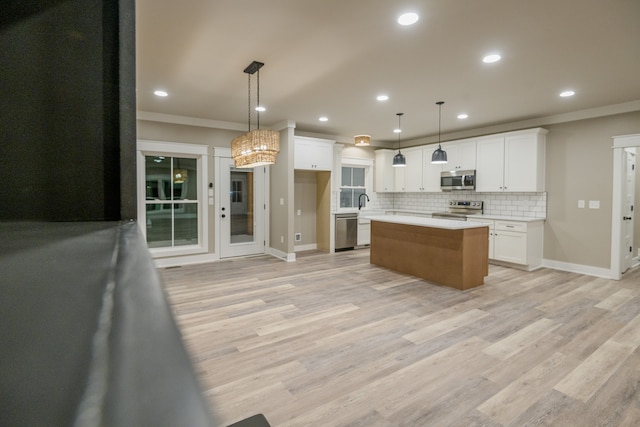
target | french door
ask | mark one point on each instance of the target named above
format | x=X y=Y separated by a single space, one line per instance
x=628 y=201
x=241 y=209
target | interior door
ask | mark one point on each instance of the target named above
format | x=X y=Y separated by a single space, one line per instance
x=628 y=200
x=241 y=210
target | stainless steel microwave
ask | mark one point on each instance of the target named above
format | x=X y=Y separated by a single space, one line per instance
x=458 y=180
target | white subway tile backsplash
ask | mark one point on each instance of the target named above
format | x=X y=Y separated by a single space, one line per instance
x=533 y=205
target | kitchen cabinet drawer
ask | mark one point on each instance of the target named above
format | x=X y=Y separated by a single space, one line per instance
x=511 y=226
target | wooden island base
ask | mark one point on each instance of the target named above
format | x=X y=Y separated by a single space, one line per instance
x=458 y=258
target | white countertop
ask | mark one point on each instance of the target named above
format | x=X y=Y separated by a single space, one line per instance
x=448 y=224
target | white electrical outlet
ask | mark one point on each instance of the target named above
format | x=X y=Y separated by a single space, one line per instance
x=299 y=212
x=281 y=239
x=281 y=201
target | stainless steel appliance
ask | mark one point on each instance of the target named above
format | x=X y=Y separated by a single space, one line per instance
x=458 y=180
x=461 y=209
x=346 y=231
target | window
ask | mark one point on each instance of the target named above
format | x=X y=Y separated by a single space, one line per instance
x=168 y=180
x=172 y=197
x=352 y=186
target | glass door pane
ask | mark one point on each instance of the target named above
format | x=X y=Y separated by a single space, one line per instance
x=241 y=198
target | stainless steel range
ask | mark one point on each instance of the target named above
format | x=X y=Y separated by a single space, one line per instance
x=461 y=209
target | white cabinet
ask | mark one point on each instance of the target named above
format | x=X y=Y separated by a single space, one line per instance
x=490 y=223
x=387 y=178
x=461 y=155
x=517 y=243
x=420 y=175
x=313 y=154
x=385 y=173
x=413 y=170
x=490 y=164
x=364 y=231
x=511 y=162
x=510 y=242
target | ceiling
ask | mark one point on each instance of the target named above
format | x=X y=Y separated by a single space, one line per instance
x=333 y=57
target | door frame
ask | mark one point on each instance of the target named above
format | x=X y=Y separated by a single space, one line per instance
x=220 y=153
x=619 y=144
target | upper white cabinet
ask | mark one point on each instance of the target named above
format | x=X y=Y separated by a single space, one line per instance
x=313 y=154
x=420 y=174
x=461 y=155
x=413 y=170
x=388 y=178
x=385 y=172
x=511 y=162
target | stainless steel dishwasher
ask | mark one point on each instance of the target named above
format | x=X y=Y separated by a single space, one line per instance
x=346 y=234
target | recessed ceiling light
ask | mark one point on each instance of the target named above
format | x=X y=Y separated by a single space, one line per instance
x=489 y=59
x=409 y=18
x=324 y=119
x=567 y=93
x=160 y=93
x=463 y=116
x=397 y=131
x=382 y=97
x=260 y=108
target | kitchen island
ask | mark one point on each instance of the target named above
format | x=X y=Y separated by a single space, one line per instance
x=446 y=252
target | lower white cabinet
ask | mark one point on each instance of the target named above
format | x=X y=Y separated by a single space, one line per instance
x=518 y=243
x=364 y=231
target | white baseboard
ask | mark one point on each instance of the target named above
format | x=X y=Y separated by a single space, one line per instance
x=579 y=268
x=282 y=255
x=301 y=248
x=184 y=260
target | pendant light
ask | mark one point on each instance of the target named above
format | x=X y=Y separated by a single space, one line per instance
x=439 y=156
x=257 y=147
x=399 y=161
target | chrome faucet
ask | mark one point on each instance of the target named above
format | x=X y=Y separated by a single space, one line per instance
x=360 y=200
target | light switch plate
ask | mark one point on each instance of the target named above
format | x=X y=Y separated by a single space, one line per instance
x=581 y=204
x=594 y=204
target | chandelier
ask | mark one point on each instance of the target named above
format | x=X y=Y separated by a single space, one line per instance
x=257 y=147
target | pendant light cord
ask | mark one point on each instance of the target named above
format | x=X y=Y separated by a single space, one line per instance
x=399 y=129
x=258 y=102
x=439 y=121
x=249 y=98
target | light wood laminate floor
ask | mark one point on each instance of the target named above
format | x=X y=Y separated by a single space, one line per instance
x=331 y=340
